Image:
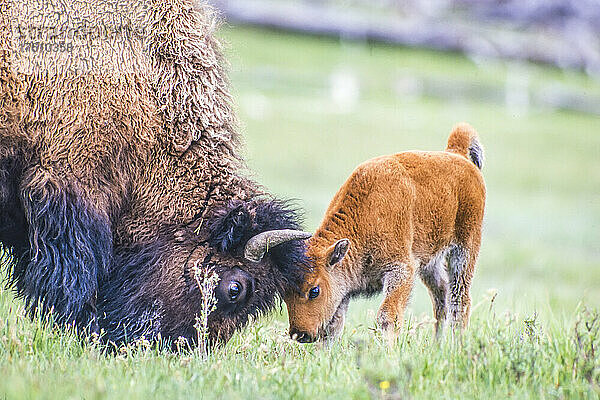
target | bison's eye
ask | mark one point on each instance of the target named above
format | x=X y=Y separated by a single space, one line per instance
x=314 y=292
x=235 y=288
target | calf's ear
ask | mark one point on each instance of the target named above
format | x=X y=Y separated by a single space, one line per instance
x=338 y=251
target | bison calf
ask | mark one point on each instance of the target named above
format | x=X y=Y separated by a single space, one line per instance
x=412 y=211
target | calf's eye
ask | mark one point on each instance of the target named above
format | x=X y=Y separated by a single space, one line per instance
x=313 y=292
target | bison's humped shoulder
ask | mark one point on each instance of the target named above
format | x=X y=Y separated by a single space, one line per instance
x=190 y=79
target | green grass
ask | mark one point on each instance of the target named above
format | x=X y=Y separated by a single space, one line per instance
x=540 y=252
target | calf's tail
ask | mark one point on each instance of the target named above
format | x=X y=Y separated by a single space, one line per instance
x=463 y=140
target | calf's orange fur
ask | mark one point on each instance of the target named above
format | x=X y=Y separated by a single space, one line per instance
x=396 y=215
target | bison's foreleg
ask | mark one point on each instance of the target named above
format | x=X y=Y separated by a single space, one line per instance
x=13 y=227
x=397 y=286
x=71 y=247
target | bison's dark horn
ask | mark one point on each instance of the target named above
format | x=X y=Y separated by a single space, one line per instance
x=259 y=244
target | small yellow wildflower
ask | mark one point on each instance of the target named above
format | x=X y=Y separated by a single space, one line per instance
x=384 y=385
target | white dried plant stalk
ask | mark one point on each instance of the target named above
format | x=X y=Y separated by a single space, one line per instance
x=207 y=281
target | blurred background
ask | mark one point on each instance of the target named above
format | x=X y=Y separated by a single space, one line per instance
x=322 y=85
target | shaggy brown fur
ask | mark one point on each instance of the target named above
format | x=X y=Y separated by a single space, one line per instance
x=397 y=215
x=119 y=170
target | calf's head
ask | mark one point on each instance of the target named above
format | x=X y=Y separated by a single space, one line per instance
x=313 y=307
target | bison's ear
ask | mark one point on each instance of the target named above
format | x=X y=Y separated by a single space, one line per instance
x=338 y=251
x=229 y=228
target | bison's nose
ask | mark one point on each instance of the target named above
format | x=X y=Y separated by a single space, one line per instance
x=302 y=337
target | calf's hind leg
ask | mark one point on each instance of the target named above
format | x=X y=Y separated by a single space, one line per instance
x=435 y=279
x=460 y=265
x=397 y=286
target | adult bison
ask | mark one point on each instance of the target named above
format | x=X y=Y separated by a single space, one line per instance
x=120 y=172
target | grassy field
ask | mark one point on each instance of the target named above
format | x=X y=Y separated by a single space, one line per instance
x=535 y=327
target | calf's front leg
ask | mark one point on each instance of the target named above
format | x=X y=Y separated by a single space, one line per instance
x=336 y=326
x=397 y=286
